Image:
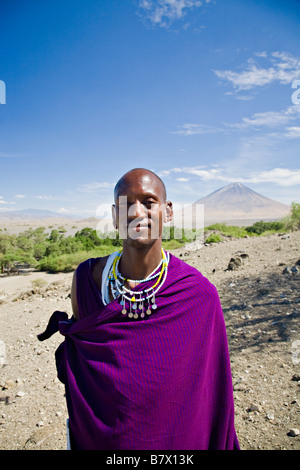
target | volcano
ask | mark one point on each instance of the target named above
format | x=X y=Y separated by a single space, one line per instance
x=235 y=204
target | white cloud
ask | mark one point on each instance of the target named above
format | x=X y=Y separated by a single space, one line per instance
x=282 y=68
x=19 y=196
x=196 y=129
x=182 y=180
x=164 y=12
x=293 y=132
x=90 y=187
x=279 y=176
x=270 y=118
x=198 y=170
x=2 y=201
x=261 y=54
x=47 y=198
x=247 y=79
x=205 y=175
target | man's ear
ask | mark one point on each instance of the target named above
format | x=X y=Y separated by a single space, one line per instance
x=114 y=216
x=168 y=212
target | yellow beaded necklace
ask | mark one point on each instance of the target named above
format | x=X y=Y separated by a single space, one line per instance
x=138 y=300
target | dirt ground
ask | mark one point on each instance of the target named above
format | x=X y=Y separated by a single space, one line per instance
x=261 y=305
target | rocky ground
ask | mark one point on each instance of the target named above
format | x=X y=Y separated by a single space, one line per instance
x=261 y=303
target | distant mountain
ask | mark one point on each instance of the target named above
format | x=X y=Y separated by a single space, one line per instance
x=31 y=214
x=237 y=199
x=237 y=204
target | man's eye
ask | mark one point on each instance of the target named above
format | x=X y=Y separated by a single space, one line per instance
x=150 y=201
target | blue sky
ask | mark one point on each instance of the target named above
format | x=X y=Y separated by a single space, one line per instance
x=201 y=92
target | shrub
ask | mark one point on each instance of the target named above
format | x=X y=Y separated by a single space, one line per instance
x=213 y=238
x=171 y=244
x=229 y=230
x=261 y=227
x=69 y=261
x=292 y=221
x=38 y=283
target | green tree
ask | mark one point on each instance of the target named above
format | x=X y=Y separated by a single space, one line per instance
x=70 y=245
x=89 y=238
x=39 y=250
x=52 y=249
x=11 y=258
x=55 y=236
x=294 y=217
x=7 y=242
x=26 y=244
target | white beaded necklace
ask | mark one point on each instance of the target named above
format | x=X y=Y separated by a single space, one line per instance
x=140 y=302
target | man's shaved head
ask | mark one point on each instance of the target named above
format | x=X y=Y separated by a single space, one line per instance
x=138 y=173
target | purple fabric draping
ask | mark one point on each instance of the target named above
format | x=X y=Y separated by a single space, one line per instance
x=159 y=383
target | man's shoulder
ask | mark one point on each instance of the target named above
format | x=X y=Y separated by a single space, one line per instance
x=94 y=265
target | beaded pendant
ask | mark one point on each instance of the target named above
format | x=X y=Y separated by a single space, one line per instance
x=137 y=304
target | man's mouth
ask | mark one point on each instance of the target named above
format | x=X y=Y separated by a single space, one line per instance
x=140 y=227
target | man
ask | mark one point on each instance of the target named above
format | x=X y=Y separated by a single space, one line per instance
x=145 y=363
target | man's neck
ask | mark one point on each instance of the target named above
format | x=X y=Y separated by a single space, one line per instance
x=138 y=263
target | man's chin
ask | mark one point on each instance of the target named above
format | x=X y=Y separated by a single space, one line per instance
x=140 y=240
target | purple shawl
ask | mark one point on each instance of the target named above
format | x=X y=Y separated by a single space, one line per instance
x=158 y=383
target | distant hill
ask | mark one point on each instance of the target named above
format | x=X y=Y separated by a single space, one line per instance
x=236 y=204
x=31 y=214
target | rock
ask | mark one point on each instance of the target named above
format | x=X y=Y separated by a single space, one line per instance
x=8 y=385
x=237 y=260
x=234 y=264
x=287 y=270
x=263 y=292
x=40 y=435
x=294 y=432
x=254 y=407
x=242 y=254
x=296 y=377
x=295 y=270
x=239 y=387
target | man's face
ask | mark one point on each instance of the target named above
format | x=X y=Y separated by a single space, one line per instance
x=140 y=209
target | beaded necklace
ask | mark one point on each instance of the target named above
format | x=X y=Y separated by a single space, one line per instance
x=140 y=302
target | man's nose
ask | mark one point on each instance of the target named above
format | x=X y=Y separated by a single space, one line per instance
x=137 y=210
